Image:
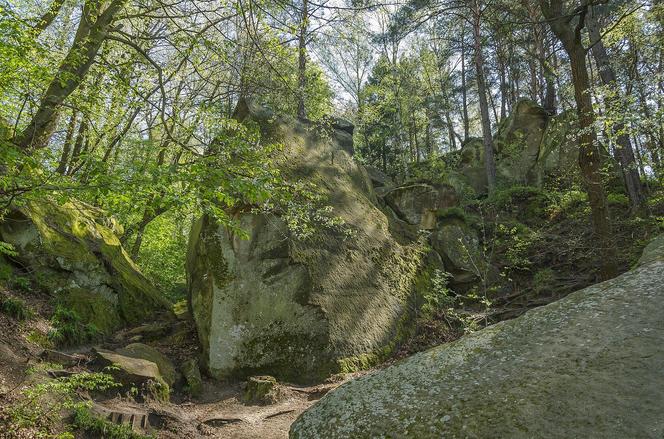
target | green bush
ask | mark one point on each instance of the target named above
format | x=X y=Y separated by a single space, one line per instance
x=457 y=213
x=569 y=201
x=87 y=421
x=39 y=412
x=527 y=201
x=21 y=283
x=15 y=308
x=433 y=170
x=617 y=200
x=69 y=330
x=163 y=253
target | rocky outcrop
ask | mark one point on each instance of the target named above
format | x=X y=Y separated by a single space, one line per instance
x=146 y=352
x=589 y=365
x=528 y=144
x=379 y=179
x=75 y=251
x=301 y=309
x=414 y=202
x=518 y=141
x=457 y=244
x=134 y=373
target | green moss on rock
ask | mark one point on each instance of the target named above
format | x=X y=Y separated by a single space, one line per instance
x=92 y=308
x=143 y=351
x=296 y=308
x=588 y=365
x=75 y=250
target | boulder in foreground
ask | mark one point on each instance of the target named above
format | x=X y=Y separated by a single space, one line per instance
x=587 y=366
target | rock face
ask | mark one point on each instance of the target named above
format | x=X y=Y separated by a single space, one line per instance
x=297 y=309
x=589 y=365
x=518 y=141
x=145 y=352
x=528 y=143
x=134 y=372
x=411 y=203
x=77 y=254
x=458 y=245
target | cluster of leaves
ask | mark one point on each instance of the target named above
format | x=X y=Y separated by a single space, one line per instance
x=163 y=253
x=86 y=421
x=307 y=214
x=44 y=405
x=68 y=329
x=16 y=308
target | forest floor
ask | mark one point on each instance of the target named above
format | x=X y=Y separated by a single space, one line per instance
x=219 y=412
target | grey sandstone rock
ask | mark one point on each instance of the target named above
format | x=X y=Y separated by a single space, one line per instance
x=587 y=366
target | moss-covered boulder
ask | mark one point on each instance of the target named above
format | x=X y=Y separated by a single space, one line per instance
x=458 y=245
x=413 y=203
x=294 y=308
x=517 y=142
x=586 y=366
x=470 y=168
x=75 y=253
x=91 y=307
x=146 y=352
x=525 y=146
x=134 y=373
x=261 y=390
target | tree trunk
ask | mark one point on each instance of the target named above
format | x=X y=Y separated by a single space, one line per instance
x=504 y=87
x=589 y=152
x=66 y=147
x=489 y=159
x=623 y=151
x=464 y=96
x=89 y=37
x=78 y=145
x=302 y=60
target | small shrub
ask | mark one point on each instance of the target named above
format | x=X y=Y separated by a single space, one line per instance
x=43 y=405
x=567 y=202
x=69 y=329
x=7 y=249
x=543 y=280
x=526 y=201
x=40 y=339
x=87 y=421
x=617 y=200
x=452 y=213
x=515 y=241
x=21 y=283
x=439 y=295
x=15 y=308
x=6 y=272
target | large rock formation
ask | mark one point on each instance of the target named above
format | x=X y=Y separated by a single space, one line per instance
x=528 y=143
x=76 y=254
x=413 y=202
x=301 y=309
x=589 y=365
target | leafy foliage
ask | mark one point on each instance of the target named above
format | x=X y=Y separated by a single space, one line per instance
x=69 y=330
x=43 y=405
x=15 y=308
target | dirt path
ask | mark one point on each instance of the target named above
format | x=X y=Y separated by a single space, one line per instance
x=221 y=413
